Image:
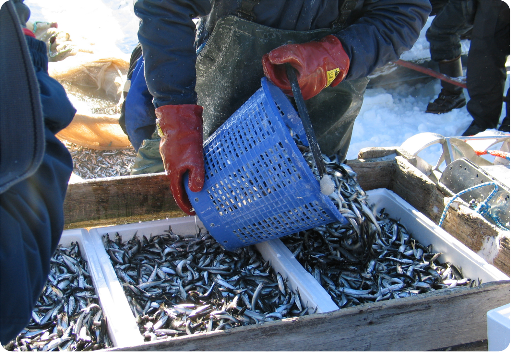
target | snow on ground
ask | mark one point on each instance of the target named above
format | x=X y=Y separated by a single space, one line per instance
x=387 y=117
x=110 y=24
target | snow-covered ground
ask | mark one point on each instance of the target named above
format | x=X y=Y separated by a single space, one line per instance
x=107 y=23
x=387 y=118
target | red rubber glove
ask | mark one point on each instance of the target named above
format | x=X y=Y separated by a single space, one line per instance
x=180 y=129
x=319 y=64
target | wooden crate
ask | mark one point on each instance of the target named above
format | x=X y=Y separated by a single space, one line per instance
x=429 y=321
x=424 y=322
x=393 y=169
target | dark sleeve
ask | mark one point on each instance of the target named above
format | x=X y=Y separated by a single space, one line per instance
x=386 y=29
x=167 y=35
x=31 y=211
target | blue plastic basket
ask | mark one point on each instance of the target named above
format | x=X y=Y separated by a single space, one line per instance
x=258 y=186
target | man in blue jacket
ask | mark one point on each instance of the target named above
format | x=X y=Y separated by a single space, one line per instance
x=34 y=168
x=198 y=77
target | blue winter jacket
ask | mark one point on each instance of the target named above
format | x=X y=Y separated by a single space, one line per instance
x=379 y=31
x=31 y=211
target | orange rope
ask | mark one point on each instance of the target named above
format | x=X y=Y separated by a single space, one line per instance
x=499 y=153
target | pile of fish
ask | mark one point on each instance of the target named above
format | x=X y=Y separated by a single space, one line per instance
x=371 y=258
x=67 y=315
x=91 y=163
x=184 y=285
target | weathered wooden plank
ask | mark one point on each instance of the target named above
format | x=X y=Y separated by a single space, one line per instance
x=128 y=199
x=502 y=259
x=424 y=322
x=418 y=190
x=120 y=220
x=464 y=224
x=373 y=174
x=135 y=198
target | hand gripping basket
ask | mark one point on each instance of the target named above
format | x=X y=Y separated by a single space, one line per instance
x=258 y=186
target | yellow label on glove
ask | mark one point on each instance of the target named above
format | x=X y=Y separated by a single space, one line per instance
x=330 y=76
x=160 y=132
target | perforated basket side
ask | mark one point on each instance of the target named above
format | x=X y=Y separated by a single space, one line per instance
x=258 y=186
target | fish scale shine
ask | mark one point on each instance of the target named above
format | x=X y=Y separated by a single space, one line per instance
x=357 y=262
x=206 y=288
x=68 y=316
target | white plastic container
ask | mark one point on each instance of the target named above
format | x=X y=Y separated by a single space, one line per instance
x=282 y=260
x=420 y=227
x=124 y=315
x=427 y=232
x=312 y=294
x=498 y=328
x=118 y=331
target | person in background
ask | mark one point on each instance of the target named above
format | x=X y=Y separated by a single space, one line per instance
x=198 y=75
x=486 y=71
x=34 y=168
x=453 y=18
x=488 y=24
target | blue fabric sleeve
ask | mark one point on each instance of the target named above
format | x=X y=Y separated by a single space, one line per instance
x=31 y=211
x=167 y=35
x=386 y=29
x=140 y=118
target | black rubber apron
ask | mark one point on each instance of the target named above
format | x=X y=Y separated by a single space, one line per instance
x=229 y=71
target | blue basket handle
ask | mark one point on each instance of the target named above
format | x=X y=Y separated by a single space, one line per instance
x=287 y=112
x=304 y=116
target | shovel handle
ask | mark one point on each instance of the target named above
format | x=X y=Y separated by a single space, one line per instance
x=452 y=80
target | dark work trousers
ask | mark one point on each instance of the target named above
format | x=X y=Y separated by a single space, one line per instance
x=437 y=6
x=486 y=73
x=453 y=20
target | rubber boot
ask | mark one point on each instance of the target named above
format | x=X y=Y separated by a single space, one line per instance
x=451 y=97
x=473 y=129
x=504 y=127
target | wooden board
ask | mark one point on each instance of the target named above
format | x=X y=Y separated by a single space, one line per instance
x=430 y=321
x=118 y=200
x=128 y=199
